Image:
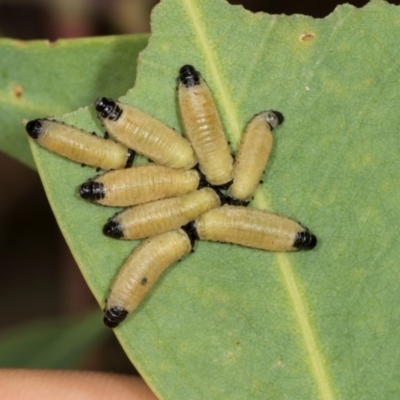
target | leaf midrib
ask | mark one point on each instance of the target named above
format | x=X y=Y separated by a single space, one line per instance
x=290 y=281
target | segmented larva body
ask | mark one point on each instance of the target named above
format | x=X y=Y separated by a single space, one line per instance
x=203 y=127
x=253 y=154
x=145 y=134
x=161 y=216
x=141 y=270
x=139 y=184
x=78 y=145
x=253 y=228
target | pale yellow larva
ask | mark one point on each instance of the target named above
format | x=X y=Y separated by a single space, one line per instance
x=253 y=154
x=203 y=127
x=78 y=145
x=253 y=228
x=144 y=134
x=139 y=184
x=160 y=216
x=141 y=270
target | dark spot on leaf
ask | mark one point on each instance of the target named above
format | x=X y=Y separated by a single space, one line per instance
x=306 y=36
x=18 y=91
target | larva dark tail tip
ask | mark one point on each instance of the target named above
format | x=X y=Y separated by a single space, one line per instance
x=203 y=182
x=280 y=116
x=34 y=128
x=131 y=154
x=114 y=316
x=305 y=240
x=232 y=201
x=191 y=231
x=188 y=76
x=92 y=191
x=223 y=186
x=113 y=229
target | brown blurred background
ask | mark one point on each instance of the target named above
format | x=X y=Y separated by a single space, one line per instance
x=41 y=257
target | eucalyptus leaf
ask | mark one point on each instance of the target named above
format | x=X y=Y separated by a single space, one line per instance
x=238 y=323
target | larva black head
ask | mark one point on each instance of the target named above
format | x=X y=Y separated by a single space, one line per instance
x=34 y=128
x=236 y=202
x=92 y=191
x=305 y=240
x=203 y=182
x=114 y=316
x=113 y=229
x=188 y=76
x=274 y=118
x=107 y=108
x=130 y=157
x=191 y=231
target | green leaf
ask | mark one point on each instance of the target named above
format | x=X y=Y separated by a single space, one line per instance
x=40 y=78
x=231 y=322
x=59 y=343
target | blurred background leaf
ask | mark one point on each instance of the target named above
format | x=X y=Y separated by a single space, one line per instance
x=56 y=343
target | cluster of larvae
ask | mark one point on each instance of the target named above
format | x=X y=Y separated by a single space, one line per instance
x=193 y=188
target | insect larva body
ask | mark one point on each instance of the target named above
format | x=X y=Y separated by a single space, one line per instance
x=141 y=270
x=145 y=134
x=161 y=216
x=254 y=228
x=139 y=184
x=253 y=154
x=78 y=145
x=203 y=127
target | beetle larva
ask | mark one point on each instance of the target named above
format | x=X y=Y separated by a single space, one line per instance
x=78 y=145
x=203 y=127
x=139 y=184
x=160 y=216
x=146 y=135
x=254 y=228
x=141 y=270
x=253 y=154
